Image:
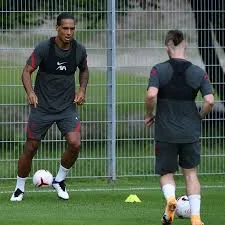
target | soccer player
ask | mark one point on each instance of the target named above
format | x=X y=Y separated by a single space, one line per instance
x=53 y=100
x=172 y=89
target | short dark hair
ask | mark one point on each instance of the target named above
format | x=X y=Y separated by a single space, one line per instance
x=64 y=15
x=176 y=36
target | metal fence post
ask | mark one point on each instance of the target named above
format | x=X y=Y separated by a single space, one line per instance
x=111 y=76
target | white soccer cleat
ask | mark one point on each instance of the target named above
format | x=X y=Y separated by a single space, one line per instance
x=17 y=196
x=60 y=187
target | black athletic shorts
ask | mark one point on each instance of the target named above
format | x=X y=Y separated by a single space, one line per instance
x=171 y=155
x=39 y=122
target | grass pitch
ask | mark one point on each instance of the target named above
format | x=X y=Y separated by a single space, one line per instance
x=102 y=206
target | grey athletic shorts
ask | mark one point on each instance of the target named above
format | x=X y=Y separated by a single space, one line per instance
x=170 y=155
x=39 y=123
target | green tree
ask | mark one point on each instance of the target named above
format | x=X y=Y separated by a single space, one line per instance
x=19 y=14
x=16 y=14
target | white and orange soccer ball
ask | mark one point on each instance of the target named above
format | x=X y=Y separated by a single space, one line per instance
x=42 y=178
x=183 y=209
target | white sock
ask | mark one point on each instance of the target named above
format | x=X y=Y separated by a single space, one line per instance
x=168 y=191
x=62 y=173
x=195 y=202
x=20 y=183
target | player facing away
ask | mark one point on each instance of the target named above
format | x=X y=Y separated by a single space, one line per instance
x=54 y=100
x=172 y=89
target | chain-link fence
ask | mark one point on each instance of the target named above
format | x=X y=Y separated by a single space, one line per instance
x=124 y=39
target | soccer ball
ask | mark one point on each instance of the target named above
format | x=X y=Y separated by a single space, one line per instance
x=183 y=209
x=42 y=178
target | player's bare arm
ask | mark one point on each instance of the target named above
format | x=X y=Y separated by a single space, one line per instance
x=27 y=83
x=150 y=103
x=83 y=80
x=207 y=105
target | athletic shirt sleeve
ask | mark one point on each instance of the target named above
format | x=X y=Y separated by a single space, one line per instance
x=39 y=53
x=205 y=86
x=154 y=78
x=83 y=55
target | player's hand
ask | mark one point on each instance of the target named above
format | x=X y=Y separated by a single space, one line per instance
x=80 y=97
x=149 y=119
x=32 y=99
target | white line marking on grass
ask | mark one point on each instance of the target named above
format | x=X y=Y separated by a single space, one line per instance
x=42 y=190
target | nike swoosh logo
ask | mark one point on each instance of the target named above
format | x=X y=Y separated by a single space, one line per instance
x=60 y=63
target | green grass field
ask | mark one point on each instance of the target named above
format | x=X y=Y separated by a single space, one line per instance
x=104 y=204
x=95 y=202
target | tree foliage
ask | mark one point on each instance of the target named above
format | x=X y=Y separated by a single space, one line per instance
x=17 y=14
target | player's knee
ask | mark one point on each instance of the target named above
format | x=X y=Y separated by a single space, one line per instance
x=31 y=147
x=190 y=175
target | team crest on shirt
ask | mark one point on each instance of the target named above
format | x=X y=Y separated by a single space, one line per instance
x=61 y=66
